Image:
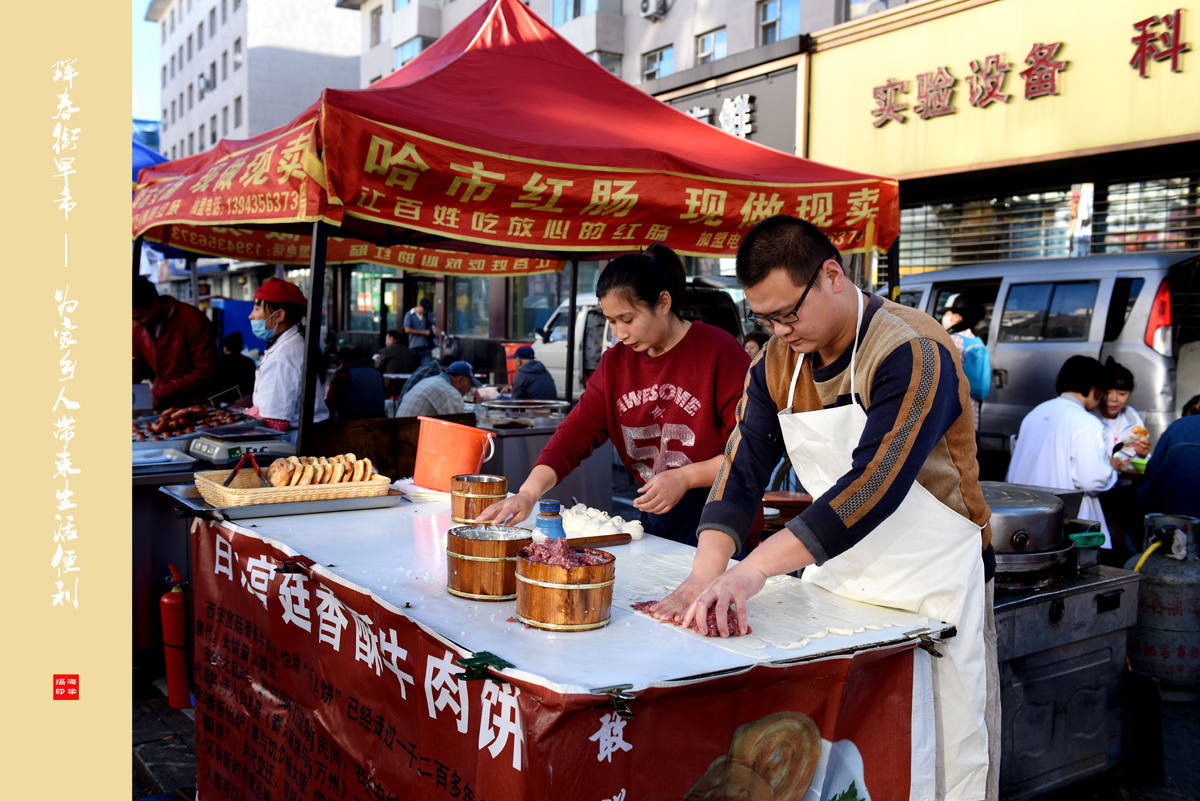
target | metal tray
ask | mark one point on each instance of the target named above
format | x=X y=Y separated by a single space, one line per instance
x=144 y=457
x=245 y=424
x=187 y=496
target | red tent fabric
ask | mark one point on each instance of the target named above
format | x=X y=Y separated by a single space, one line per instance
x=503 y=138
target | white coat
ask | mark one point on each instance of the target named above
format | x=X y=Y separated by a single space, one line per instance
x=1118 y=428
x=279 y=379
x=1063 y=446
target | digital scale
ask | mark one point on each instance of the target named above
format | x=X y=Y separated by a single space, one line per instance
x=228 y=448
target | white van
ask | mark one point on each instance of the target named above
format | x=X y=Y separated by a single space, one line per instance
x=1142 y=309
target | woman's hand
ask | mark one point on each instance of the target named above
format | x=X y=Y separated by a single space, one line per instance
x=514 y=509
x=660 y=494
x=712 y=556
x=1141 y=447
x=732 y=588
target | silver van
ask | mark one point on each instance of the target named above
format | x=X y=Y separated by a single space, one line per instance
x=1142 y=309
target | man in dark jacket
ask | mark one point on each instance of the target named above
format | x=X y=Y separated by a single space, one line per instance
x=173 y=345
x=235 y=372
x=531 y=382
x=396 y=357
x=356 y=389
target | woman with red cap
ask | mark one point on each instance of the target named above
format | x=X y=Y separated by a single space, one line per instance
x=279 y=308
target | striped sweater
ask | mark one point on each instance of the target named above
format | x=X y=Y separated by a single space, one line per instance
x=919 y=428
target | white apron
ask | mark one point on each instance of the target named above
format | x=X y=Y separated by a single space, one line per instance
x=924 y=558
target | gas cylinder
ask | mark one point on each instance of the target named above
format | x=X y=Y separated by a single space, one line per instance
x=1166 y=641
x=173 y=607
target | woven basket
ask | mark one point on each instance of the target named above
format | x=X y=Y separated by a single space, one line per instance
x=245 y=490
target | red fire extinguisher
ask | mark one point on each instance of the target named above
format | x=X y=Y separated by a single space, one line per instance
x=173 y=607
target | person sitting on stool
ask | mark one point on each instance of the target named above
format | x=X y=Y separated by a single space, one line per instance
x=532 y=381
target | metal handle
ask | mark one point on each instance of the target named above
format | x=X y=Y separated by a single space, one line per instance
x=491 y=446
x=999 y=377
x=1020 y=540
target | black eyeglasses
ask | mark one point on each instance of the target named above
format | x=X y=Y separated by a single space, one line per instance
x=787 y=318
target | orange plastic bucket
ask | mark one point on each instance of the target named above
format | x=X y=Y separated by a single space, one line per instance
x=510 y=353
x=446 y=449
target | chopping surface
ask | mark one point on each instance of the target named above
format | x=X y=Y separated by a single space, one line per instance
x=399 y=555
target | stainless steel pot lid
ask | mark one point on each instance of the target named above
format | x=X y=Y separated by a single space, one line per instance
x=1024 y=519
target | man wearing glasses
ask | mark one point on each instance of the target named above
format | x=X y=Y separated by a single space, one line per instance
x=869 y=401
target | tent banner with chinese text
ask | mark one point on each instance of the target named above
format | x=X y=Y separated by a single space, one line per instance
x=275 y=180
x=309 y=687
x=404 y=178
x=275 y=247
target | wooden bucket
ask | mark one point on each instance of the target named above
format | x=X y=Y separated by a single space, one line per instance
x=481 y=561
x=471 y=494
x=558 y=599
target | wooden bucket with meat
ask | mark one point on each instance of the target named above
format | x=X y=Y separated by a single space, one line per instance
x=481 y=561
x=562 y=588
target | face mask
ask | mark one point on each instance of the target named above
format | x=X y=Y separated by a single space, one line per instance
x=259 y=327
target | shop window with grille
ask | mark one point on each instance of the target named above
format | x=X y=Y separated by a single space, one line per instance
x=1159 y=214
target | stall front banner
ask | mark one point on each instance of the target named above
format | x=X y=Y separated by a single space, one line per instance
x=308 y=687
x=279 y=247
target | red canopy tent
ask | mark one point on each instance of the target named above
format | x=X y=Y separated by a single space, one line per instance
x=503 y=139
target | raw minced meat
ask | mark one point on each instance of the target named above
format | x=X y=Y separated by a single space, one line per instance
x=645 y=606
x=559 y=553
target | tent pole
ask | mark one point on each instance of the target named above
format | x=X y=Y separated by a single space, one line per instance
x=193 y=281
x=574 y=303
x=313 y=363
x=894 y=271
x=137 y=257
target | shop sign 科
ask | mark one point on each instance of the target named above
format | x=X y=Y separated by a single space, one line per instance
x=1149 y=37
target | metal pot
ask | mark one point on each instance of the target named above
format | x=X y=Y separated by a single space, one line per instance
x=1024 y=519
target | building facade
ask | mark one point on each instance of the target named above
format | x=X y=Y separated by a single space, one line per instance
x=231 y=69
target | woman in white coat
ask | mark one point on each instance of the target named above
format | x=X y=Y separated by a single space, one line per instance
x=279 y=308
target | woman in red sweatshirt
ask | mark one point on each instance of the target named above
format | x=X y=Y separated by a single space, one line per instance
x=665 y=395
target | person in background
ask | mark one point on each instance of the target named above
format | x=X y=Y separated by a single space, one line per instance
x=441 y=393
x=958 y=319
x=1061 y=444
x=234 y=371
x=1173 y=473
x=755 y=342
x=173 y=345
x=665 y=395
x=531 y=382
x=419 y=326
x=429 y=368
x=356 y=389
x=277 y=319
x=395 y=357
x=1115 y=413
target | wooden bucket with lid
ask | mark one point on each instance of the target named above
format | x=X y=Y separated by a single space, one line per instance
x=471 y=494
x=565 y=599
x=481 y=561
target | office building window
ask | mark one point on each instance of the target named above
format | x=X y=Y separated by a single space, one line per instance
x=181 y=111
x=172 y=20
x=212 y=22
x=710 y=46
x=224 y=65
x=224 y=10
x=172 y=65
x=212 y=76
x=563 y=11
x=237 y=112
x=237 y=4
x=212 y=129
x=373 y=80
x=189 y=97
x=410 y=49
x=237 y=54
x=163 y=26
x=376 y=25
x=200 y=36
x=164 y=118
x=658 y=63
x=778 y=19
x=201 y=137
x=191 y=144
x=179 y=59
x=164 y=80
x=399 y=4
x=181 y=148
x=172 y=112
x=189 y=46
x=225 y=121
x=610 y=61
